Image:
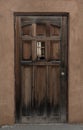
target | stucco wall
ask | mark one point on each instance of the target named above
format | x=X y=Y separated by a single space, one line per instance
x=7 y=77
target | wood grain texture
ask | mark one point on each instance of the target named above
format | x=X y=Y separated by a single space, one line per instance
x=55 y=50
x=27 y=30
x=27 y=50
x=54 y=85
x=26 y=89
x=41 y=29
x=40 y=84
x=54 y=30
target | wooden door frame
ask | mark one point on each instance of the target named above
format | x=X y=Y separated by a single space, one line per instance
x=17 y=61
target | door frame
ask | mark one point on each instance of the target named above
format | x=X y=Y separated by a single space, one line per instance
x=64 y=113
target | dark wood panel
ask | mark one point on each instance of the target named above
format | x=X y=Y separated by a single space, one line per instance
x=27 y=50
x=17 y=68
x=53 y=92
x=40 y=89
x=54 y=50
x=26 y=90
x=54 y=30
x=64 y=68
x=41 y=29
x=27 y=29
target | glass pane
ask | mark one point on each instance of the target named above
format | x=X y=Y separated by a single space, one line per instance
x=40 y=50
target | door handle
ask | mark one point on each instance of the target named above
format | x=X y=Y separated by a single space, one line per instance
x=62 y=73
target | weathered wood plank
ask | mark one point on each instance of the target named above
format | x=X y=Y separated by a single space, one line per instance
x=53 y=88
x=55 y=50
x=26 y=37
x=27 y=50
x=40 y=88
x=27 y=30
x=26 y=87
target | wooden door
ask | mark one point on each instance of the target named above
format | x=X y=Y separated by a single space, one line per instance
x=41 y=68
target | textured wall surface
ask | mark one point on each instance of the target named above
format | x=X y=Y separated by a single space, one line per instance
x=7 y=77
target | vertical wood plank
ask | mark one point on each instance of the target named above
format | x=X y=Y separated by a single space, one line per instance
x=48 y=49
x=17 y=67
x=34 y=29
x=40 y=88
x=33 y=90
x=26 y=87
x=64 y=69
x=27 y=50
x=54 y=88
x=34 y=46
x=55 y=50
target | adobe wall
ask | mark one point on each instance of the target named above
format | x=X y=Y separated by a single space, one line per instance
x=7 y=76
